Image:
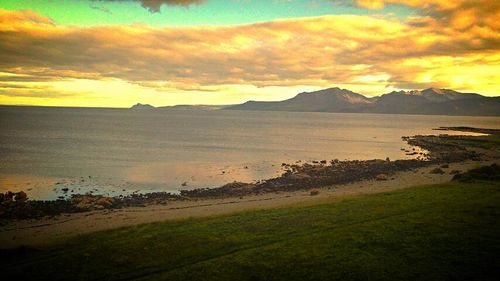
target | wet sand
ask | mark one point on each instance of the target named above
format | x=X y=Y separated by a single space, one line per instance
x=49 y=230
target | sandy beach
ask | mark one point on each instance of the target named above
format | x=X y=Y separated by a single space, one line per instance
x=52 y=229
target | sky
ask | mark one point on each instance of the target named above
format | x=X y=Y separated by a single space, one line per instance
x=115 y=53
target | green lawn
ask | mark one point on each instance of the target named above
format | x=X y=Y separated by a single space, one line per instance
x=440 y=232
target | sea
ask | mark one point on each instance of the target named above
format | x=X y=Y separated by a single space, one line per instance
x=55 y=152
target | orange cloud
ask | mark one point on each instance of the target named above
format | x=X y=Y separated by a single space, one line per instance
x=457 y=14
x=319 y=51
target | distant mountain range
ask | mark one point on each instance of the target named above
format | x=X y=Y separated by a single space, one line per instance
x=429 y=101
x=141 y=106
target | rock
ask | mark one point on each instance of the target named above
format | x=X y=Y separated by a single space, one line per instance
x=445 y=166
x=184 y=184
x=299 y=176
x=490 y=173
x=92 y=202
x=381 y=177
x=21 y=196
x=65 y=189
x=229 y=189
x=455 y=172
x=236 y=185
x=9 y=196
x=437 y=171
x=314 y=192
x=105 y=202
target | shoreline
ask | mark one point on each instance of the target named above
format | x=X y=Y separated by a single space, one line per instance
x=37 y=222
x=427 y=149
x=36 y=232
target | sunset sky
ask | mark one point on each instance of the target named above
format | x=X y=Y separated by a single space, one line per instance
x=115 y=53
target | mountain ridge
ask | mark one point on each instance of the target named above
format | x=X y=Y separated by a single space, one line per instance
x=431 y=101
x=179 y=107
x=428 y=101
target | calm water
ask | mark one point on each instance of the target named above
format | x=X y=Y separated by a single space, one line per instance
x=118 y=151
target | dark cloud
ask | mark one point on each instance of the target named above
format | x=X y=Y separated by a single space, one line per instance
x=154 y=6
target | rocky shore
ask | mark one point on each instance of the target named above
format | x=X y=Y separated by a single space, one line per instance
x=13 y=208
x=430 y=150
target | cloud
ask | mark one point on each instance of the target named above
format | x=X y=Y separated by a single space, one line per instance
x=43 y=91
x=23 y=17
x=154 y=6
x=317 y=51
x=457 y=14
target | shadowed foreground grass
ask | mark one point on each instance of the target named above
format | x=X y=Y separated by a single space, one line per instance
x=440 y=232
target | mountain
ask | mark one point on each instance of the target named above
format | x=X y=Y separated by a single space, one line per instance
x=328 y=100
x=141 y=106
x=428 y=101
x=433 y=101
x=181 y=107
x=485 y=106
x=438 y=95
x=187 y=107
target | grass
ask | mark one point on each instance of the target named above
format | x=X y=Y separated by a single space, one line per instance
x=440 y=232
x=486 y=142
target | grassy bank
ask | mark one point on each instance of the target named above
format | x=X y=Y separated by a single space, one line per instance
x=441 y=232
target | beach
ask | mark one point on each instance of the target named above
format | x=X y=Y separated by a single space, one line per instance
x=55 y=229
